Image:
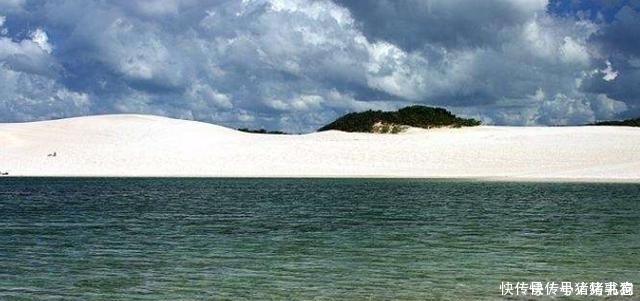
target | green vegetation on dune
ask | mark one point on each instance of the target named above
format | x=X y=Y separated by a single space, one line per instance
x=628 y=122
x=262 y=131
x=415 y=116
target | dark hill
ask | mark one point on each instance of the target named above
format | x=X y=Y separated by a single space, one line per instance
x=629 y=122
x=415 y=116
x=262 y=131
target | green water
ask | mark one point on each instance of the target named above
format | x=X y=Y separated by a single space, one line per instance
x=310 y=239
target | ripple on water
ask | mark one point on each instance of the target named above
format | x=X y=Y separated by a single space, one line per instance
x=308 y=239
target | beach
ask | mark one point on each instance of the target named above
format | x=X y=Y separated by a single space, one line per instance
x=152 y=146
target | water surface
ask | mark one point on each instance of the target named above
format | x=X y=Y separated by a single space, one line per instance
x=309 y=239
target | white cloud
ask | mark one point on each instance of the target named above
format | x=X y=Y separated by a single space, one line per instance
x=607 y=108
x=30 y=89
x=391 y=70
x=133 y=51
x=3 y=30
x=41 y=39
x=204 y=97
x=609 y=73
x=574 y=52
x=27 y=97
x=282 y=62
x=541 y=41
x=28 y=55
x=539 y=96
x=563 y=109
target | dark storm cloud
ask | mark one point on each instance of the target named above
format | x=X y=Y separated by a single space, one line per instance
x=620 y=41
x=297 y=64
x=412 y=24
x=622 y=36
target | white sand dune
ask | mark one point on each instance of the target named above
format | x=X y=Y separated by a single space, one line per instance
x=139 y=145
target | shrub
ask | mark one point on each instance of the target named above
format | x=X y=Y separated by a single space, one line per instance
x=416 y=116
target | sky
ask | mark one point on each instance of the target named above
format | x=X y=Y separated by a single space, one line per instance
x=296 y=65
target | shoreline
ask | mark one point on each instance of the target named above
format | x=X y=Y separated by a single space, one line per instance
x=368 y=177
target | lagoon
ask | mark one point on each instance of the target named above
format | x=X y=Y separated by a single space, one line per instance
x=310 y=239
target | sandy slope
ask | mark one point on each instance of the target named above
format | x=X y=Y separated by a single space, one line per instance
x=138 y=145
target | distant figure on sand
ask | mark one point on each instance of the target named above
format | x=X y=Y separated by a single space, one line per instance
x=52 y=155
x=4 y=173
